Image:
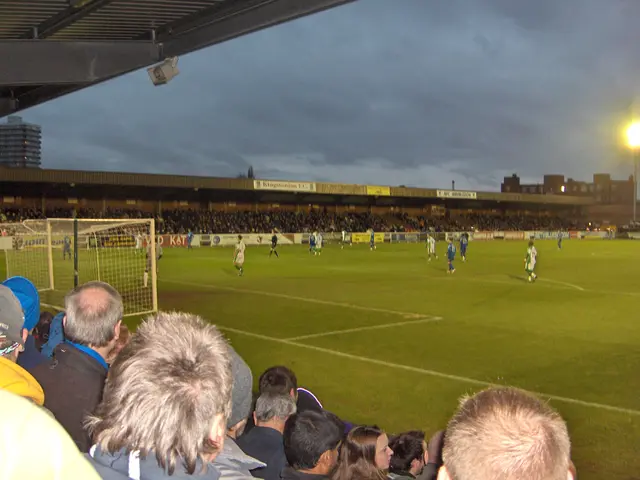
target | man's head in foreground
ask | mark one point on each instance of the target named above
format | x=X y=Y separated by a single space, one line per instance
x=94 y=313
x=168 y=393
x=311 y=442
x=278 y=380
x=273 y=410
x=506 y=434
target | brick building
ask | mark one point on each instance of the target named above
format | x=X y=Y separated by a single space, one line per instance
x=602 y=189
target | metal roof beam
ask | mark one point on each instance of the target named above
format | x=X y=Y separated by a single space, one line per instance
x=38 y=62
x=77 y=11
x=233 y=19
x=7 y=106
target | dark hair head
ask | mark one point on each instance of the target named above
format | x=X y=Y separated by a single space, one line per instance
x=531 y=243
x=41 y=330
x=406 y=447
x=278 y=380
x=308 y=435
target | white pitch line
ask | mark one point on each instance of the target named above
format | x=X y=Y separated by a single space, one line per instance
x=432 y=373
x=408 y=315
x=427 y=319
x=56 y=307
x=523 y=284
x=558 y=282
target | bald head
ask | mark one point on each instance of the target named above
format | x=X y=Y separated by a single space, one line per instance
x=93 y=313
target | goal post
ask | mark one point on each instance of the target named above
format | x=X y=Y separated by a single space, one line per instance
x=57 y=254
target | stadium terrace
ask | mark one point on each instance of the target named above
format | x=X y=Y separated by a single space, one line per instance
x=228 y=205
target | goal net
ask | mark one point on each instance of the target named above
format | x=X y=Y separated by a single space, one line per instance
x=56 y=254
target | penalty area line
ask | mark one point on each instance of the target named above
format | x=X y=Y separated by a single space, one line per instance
x=365 y=328
x=431 y=373
x=407 y=315
x=558 y=282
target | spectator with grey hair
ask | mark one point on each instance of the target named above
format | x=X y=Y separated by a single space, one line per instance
x=74 y=379
x=505 y=433
x=264 y=441
x=232 y=463
x=166 y=402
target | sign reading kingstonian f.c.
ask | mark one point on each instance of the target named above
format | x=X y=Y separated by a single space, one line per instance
x=457 y=194
x=284 y=186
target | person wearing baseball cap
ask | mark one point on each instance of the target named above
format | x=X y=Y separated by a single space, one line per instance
x=13 y=377
x=27 y=293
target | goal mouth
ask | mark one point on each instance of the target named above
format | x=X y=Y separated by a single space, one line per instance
x=57 y=254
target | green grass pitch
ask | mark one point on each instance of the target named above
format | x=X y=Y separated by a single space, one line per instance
x=386 y=337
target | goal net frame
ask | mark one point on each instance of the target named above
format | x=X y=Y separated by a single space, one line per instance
x=98 y=241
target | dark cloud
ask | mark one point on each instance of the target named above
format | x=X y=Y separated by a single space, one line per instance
x=388 y=92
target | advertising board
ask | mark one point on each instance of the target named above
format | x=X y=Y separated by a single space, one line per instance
x=514 y=235
x=172 y=241
x=230 y=239
x=457 y=194
x=593 y=235
x=117 y=241
x=6 y=243
x=482 y=236
x=366 y=237
x=378 y=191
x=284 y=186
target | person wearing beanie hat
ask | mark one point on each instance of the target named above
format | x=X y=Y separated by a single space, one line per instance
x=28 y=296
x=241 y=395
x=232 y=463
x=13 y=377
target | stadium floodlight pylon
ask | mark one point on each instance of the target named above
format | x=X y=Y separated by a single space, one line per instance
x=109 y=250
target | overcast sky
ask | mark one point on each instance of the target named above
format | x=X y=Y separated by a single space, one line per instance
x=413 y=92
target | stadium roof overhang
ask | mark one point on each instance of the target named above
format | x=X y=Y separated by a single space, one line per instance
x=53 y=47
x=72 y=183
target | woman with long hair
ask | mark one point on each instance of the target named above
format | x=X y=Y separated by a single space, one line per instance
x=365 y=455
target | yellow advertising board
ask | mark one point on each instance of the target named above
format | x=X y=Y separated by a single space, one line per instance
x=366 y=237
x=378 y=191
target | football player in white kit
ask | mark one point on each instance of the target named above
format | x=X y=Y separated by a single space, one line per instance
x=530 y=262
x=139 y=242
x=345 y=239
x=238 y=256
x=431 y=247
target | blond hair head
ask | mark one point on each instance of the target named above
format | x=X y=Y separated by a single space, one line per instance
x=506 y=434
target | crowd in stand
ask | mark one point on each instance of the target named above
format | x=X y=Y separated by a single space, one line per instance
x=175 y=400
x=182 y=221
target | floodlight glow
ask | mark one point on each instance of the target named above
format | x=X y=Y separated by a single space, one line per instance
x=633 y=135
